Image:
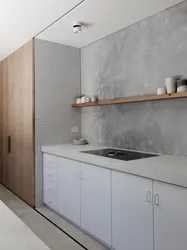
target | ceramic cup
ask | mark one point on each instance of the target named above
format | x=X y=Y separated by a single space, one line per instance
x=93 y=98
x=83 y=99
x=161 y=91
x=88 y=99
x=181 y=82
x=78 y=100
x=171 y=85
x=182 y=89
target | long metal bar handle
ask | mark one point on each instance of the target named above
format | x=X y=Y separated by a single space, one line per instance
x=9 y=144
x=148 y=197
x=156 y=199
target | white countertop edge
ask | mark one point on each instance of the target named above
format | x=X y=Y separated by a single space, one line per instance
x=165 y=168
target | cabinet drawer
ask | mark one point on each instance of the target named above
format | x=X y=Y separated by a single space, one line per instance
x=51 y=194
x=50 y=161
x=51 y=174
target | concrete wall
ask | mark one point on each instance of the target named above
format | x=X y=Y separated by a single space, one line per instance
x=57 y=83
x=135 y=61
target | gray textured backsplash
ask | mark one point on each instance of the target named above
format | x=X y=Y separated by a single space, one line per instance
x=135 y=61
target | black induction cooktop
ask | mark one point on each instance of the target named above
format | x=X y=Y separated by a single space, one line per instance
x=123 y=155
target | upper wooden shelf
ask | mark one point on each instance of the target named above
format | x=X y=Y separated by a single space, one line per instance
x=133 y=99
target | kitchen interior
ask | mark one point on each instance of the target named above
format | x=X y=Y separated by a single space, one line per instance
x=108 y=142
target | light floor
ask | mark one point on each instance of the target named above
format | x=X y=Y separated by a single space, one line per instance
x=54 y=238
x=82 y=237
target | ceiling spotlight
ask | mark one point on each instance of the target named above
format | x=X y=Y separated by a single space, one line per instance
x=77 y=27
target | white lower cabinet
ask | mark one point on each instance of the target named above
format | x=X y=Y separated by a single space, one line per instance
x=121 y=210
x=170 y=217
x=96 y=201
x=69 y=189
x=132 y=212
x=50 y=183
x=51 y=194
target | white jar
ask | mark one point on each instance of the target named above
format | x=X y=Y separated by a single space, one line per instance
x=161 y=91
x=83 y=99
x=93 y=98
x=182 y=89
x=88 y=99
x=171 y=84
x=78 y=100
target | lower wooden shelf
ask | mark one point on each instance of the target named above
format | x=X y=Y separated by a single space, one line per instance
x=133 y=99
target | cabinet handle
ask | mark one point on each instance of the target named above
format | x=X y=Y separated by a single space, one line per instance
x=78 y=173
x=148 y=197
x=9 y=144
x=156 y=199
x=50 y=175
x=82 y=175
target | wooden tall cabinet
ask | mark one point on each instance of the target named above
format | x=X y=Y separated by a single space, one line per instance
x=17 y=122
x=0 y=115
x=4 y=122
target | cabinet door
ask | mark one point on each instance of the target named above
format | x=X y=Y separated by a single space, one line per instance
x=4 y=122
x=17 y=109
x=132 y=212
x=1 y=109
x=69 y=189
x=96 y=201
x=18 y=164
x=170 y=217
x=14 y=127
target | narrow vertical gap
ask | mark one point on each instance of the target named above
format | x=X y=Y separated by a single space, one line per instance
x=81 y=89
x=34 y=118
x=111 y=204
x=80 y=197
x=153 y=215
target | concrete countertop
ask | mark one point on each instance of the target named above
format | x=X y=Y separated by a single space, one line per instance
x=166 y=168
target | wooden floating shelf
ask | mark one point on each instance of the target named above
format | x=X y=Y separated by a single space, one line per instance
x=133 y=99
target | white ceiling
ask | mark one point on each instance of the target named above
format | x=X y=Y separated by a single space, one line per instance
x=20 y=20
x=104 y=17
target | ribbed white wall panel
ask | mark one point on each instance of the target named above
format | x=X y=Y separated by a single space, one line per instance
x=57 y=84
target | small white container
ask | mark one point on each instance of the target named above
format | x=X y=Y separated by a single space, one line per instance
x=171 y=84
x=93 y=98
x=161 y=91
x=79 y=141
x=78 y=100
x=83 y=99
x=88 y=99
x=182 y=89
